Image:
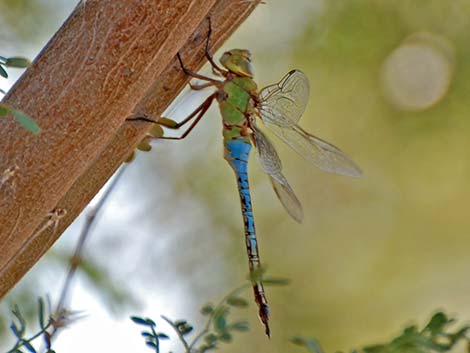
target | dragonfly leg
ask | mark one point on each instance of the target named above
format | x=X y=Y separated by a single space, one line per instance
x=197 y=114
x=198 y=87
x=143 y=118
x=194 y=74
x=216 y=69
x=169 y=123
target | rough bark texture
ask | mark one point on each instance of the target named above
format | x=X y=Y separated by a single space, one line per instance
x=110 y=60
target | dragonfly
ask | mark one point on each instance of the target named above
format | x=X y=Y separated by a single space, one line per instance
x=279 y=107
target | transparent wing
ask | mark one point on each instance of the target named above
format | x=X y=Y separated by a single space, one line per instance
x=281 y=107
x=287 y=197
x=316 y=151
x=288 y=98
x=271 y=165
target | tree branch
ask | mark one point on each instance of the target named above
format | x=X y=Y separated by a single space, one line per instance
x=110 y=60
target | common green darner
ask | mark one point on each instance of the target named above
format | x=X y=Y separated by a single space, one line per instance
x=279 y=107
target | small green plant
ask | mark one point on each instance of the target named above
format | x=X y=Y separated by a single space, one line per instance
x=18 y=328
x=434 y=337
x=152 y=338
x=48 y=325
x=218 y=328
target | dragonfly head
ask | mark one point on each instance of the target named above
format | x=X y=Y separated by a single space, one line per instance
x=238 y=61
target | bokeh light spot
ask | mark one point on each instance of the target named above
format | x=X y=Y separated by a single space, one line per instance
x=417 y=74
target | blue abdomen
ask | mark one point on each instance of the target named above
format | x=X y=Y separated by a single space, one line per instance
x=237 y=153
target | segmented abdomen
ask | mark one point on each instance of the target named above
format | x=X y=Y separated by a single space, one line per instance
x=237 y=153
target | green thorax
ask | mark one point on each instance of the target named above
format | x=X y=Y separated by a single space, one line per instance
x=235 y=105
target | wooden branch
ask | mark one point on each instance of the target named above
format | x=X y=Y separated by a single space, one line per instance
x=110 y=60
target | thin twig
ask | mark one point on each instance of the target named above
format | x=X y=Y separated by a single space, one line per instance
x=157 y=341
x=76 y=259
x=180 y=335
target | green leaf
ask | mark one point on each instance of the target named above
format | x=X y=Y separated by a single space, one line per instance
x=237 y=302
x=138 y=320
x=179 y=323
x=276 y=281
x=220 y=321
x=241 y=326
x=18 y=62
x=206 y=347
x=225 y=337
x=311 y=344
x=211 y=338
x=437 y=323
x=185 y=329
x=141 y=321
x=41 y=313
x=151 y=344
x=374 y=349
x=150 y=322
x=3 y=72
x=207 y=309
x=162 y=336
x=28 y=123
x=4 y=110
x=147 y=334
x=433 y=338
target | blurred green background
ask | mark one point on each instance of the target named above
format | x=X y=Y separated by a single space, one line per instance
x=390 y=87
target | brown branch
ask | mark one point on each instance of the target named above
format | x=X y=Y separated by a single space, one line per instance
x=110 y=60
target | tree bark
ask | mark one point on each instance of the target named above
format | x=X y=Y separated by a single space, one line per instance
x=110 y=60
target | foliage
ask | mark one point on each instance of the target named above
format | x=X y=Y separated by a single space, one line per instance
x=18 y=328
x=434 y=337
x=218 y=328
x=22 y=118
x=48 y=325
x=17 y=62
x=152 y=338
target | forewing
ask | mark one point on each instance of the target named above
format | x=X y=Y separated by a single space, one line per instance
x=286 y=99
x=271 y=165
x=281 y=106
